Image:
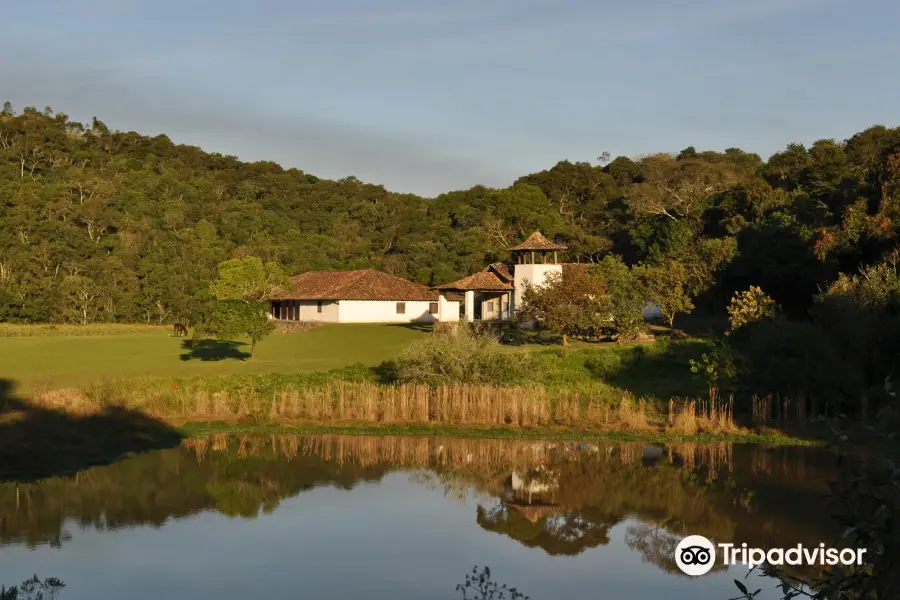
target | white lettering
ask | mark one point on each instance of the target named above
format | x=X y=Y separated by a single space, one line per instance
x=726 y=548
x=775 y=557
x=754 y=557
x=793 y=552
x=757 y=557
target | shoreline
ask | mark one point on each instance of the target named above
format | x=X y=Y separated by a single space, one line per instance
x=194 y=429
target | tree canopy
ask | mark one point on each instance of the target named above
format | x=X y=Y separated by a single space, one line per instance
x=106 y=225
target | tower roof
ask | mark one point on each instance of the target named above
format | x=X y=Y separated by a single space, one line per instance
x=534 y=513
x=536 y=241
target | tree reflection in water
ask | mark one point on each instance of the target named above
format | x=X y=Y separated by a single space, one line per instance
x=560 y=497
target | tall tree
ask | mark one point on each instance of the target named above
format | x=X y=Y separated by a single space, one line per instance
x=569 y=304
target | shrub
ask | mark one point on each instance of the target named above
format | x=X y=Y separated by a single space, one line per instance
x=750 y=306
x=717 y=367
x=462 y=356
x=792 y=359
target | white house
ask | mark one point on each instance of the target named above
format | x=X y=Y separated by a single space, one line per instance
x=362 y=296
x=495 y=293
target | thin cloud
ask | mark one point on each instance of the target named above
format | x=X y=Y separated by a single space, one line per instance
x=326 y=149
x=633 y=23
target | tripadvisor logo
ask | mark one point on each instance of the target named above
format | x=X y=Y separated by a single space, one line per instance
x=695 y=555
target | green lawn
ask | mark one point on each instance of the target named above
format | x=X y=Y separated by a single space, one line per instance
x=60 y=361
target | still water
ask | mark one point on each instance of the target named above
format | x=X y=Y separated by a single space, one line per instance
x=407 y=518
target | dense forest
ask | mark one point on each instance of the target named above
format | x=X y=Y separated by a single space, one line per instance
x=117 y=226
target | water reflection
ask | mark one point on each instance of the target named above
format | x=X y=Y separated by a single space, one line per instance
x=561 y=498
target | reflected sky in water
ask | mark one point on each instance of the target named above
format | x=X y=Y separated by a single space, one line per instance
x=409 y=526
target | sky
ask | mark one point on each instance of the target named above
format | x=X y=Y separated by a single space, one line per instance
x=425 y=96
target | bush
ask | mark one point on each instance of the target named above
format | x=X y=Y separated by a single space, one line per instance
x=792 y=359
x=462 y=356
x=750 y=306
x=717 y=367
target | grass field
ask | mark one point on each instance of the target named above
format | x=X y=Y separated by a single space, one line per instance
x=64 y=360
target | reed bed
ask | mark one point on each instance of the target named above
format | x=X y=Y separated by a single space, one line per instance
x=780 y=410
x=71 y=330
x=337 y=401
x=710 y=414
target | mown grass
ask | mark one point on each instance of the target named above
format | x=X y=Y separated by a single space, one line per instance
x=49 y=360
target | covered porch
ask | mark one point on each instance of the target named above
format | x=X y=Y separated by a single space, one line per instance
x=485 y=297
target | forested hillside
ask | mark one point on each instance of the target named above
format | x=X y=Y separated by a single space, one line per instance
x=125 y=227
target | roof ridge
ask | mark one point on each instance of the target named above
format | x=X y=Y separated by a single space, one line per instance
x=358 y=284
x=538 y=241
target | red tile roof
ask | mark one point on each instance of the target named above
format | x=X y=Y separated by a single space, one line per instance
x=502 y=271
x=536 y=241
x=362 y=284
x=497 y=277
x=483 y=281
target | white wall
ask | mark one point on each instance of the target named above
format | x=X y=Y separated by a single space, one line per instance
x=309 y=311
x=385 y=311
x=535 y=274
x=448 y=310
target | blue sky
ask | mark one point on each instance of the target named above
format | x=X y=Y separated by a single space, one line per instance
x=425 y=96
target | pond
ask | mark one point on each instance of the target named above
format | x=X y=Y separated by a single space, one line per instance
x=237 y=517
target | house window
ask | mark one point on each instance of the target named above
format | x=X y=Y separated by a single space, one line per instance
x=433 y=308
x=489 y=307
x=401 y=308
x=319 y=306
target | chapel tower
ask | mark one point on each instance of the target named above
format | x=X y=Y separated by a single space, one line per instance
x=533 y=260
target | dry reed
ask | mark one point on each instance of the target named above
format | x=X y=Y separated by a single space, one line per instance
x=711 y=414
x=340 y=401
x=779 y=409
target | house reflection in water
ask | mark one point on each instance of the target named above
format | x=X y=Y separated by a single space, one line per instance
x=532 y=492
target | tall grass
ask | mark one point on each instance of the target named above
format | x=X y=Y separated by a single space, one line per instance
x=778 y=409
x=69 y=330
x=337 y=401
x=713 y=413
